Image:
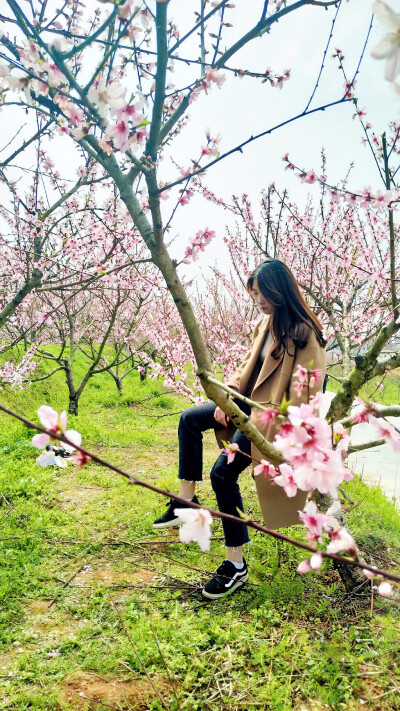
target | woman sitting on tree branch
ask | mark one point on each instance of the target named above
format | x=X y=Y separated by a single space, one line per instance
x=288 y=335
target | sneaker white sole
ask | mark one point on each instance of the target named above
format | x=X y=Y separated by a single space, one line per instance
x=169 y=524
x=235 y=586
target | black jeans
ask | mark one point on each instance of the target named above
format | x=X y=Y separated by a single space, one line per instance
x=224 y=477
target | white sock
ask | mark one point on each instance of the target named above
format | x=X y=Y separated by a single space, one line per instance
x=238 y=566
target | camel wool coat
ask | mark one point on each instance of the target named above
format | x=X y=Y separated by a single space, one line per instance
x=273 y=382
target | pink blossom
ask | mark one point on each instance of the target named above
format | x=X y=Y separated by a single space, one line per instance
x=41 y=317
x=74 y=437
x=106 y=96
x=119 y=134
x=304 y=566
x=342 y=542
x=230 y=451
x=265 y=417
x=129 y=112
x=40 y=440
x=389 y=47
x=309 y=177
x=301 y=373
x=75 y=115
x=387 y=431
x=307 y=446
x=185 y=197
x=316 y=561
x=316 y=376
x=286 y=480
x=306 y=378
x=213 y=75
x=385 y=589
x=313 y=520
x=104 y=144
x=265 y=468
x=125 y=10
x=54 y=76
x=342 y=439
x=55 y=424
x=139 y=136
x=298 y=387
x=362 y=414
x=80 y=458
x=196 y=526
x=198 y=244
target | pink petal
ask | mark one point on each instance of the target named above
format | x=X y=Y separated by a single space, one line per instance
x=40 y=440
x=48 y=417
x=63 y=420
x=304 y=567
x=384 y=48
x=393 y=65
x=316 y=561
x=74 y=437
x=385 y=589
x=386 y=16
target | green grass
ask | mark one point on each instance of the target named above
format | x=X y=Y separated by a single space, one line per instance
x=284 y=642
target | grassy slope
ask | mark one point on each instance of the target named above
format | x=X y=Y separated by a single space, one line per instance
x=284 y=642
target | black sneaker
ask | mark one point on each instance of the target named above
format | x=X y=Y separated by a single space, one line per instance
x=227 y=579
x=168 y=519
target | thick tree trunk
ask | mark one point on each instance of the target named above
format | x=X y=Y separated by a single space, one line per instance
x=73 y=404
x=352 y=578
x=117 y=381
x=72 y=393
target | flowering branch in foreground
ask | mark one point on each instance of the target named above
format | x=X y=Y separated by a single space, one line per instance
x=368 y=412
x=217 y=514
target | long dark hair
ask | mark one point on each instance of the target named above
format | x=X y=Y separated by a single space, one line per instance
x=292 y=317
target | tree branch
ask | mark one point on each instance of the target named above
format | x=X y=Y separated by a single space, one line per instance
x=162 y=62
x=365 y=445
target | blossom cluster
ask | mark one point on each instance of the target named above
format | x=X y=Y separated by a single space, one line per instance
x=321 y=526
x=198 y=244
x=16 y=375
x=306 y=378
x=313 y=457
x=381 y=200
x=368 y=412
x=212 y=76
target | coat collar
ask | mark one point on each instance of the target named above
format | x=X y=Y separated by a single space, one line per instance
x=270 y=364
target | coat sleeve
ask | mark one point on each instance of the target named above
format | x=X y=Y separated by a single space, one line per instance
x=314 y=353
x=234 y=380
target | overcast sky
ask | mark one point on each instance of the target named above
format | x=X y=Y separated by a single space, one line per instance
x=244 y=107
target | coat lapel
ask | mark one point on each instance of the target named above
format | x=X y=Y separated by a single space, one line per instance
x=284 y=361
x=259 y=341
x=255 y=352
x=270 y=364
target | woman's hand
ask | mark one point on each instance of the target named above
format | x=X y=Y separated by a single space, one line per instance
x=220 y=416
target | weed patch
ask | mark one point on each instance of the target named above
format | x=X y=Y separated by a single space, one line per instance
x=73 y=542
